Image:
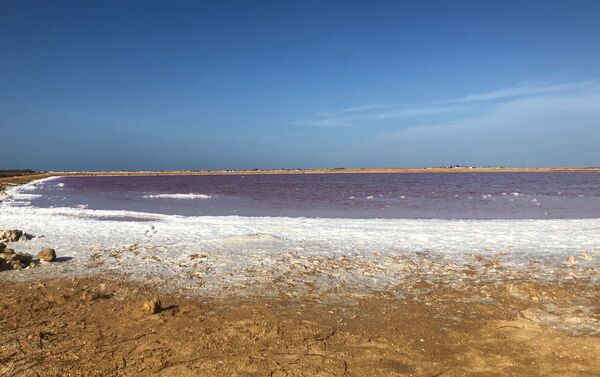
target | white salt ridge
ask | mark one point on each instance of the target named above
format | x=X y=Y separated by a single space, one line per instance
x=178 y=196
x=75 y=229
x=20 y=196
x=17 y=197
x=16 y=190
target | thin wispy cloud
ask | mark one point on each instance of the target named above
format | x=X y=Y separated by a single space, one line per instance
x=544 y=130
x=417 y=111
x=328 y=122
x=352 y=110
x=374 y=113
x=522 y=90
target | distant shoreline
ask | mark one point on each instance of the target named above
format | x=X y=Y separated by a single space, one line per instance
x=334 y=171
x=11 y=179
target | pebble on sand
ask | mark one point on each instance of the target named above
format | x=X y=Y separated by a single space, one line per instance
x=152 y=306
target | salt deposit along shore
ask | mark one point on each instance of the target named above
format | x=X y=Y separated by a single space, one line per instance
x=300 y=296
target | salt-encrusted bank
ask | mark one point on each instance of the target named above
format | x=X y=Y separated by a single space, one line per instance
x=234 y=254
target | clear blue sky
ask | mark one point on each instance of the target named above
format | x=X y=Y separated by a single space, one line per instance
x=268 y=84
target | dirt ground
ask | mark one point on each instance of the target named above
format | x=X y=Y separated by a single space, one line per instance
x=96 y=326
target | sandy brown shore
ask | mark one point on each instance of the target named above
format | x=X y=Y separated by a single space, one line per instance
x=27 y=177
x=95 y=325
x=340 y=171
x=7 y=181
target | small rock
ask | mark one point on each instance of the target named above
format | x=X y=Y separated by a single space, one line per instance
x=7 y=254
x=23 y=258
x=96 y=294
x=10 y=255
x=571 y=259
x=586 y=256
x=152 y=306
x=2 y=246
x=12 y=235
x=15 y=265
x=15 y=261
x=47 y=255
x=90 y=296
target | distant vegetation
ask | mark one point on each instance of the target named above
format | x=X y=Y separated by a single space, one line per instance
x=10 y=172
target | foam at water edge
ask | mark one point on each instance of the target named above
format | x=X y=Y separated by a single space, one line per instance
x=178 y=196
x=15 y=195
